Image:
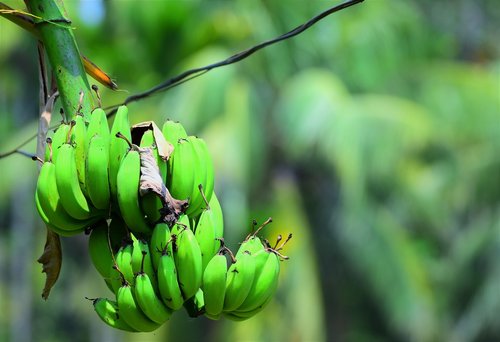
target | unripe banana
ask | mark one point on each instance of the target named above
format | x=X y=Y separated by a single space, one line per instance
x=199 y=171
x=217 y=216
x=173 y=131
x=181 y=169
x=151 y=305
x=72 y=198
x=59 y=138
x=254 y=245
x=108 y=311
x=187 y=258
x=159 y=240
x=244 y=315
x=98 y=125
x=56 y=230
x=239 y=281
x=264 y=284
x=78 y=137
x=99 y=249
x=130 y=311
x=168 y=284
x=118 y=147
x=122 y=271
x=128 y=193
x=102 y=247
x=203 y=176
x=50 y=207
x=141 y=260
x=151 y=203
x=214 y=284
x=97 y=165
x=205 y=235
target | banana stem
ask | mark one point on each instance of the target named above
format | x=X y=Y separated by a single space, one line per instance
x=254 y=223
x=121 y=136
x=57 y=37
x=200 y=187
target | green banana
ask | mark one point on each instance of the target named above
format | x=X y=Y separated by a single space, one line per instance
x=205 y=235
x=168 y=284
x=218 y=218
x=72 y=197
x=264 y=284
x=239 y=281
x=159 y=240
x=148 y=301
x=59 y=138
x=244 y=315
x=108 y=311
x=130 y=311
x=98 y=125
x=214 y=284
x=151 y=203
x=127 y=181
x=203 y=177
x=122 y=271
x=118 y=147
x=254 y=245
x=97 y=172
x=210 y=170
x=173 y=131
x=141 y=260
x=78 y=137
x=187 y=258
x=103 y=243
x=51 y=207
x=199 y=170
x=45 y=219
x=182 y=169
x=99 y=249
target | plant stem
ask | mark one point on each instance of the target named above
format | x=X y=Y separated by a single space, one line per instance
x=57 y=36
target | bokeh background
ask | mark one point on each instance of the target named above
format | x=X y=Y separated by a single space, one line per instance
x=374 y=138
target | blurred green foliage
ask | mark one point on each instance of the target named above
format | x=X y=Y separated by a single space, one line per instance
x=374 y=138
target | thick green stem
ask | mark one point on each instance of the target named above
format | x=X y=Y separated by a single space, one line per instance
x=57 y=36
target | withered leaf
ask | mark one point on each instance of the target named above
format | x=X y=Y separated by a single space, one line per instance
x=151 y=181
x=51 y=260
x=165 y=148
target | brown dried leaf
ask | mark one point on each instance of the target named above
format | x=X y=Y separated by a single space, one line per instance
x=151 y=181
x=51 y=260
x=165 y=148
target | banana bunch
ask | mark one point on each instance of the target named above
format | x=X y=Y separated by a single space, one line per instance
x=154 y=277
x=72 y=192
x=91 y=172
x=154 y=222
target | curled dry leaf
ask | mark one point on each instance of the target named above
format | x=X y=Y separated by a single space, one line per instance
x=151 y=181
x=165 y=148
x=51 y=260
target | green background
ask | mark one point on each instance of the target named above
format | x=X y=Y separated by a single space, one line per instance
x=374 y=138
